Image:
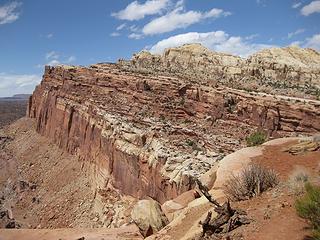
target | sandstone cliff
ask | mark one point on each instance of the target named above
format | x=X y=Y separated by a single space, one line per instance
x=152 y=135
x=288 y=71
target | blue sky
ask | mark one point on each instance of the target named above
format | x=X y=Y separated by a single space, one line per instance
x=82 y=32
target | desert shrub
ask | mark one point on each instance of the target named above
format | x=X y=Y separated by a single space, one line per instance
x=256 y=138
x=308 y=207
x=190 y=142
x=297 y=181
x=182 y=101
x=162 y=117
x=193 y=144
x=249 y=183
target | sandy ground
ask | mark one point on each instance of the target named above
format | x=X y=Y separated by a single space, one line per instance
x=130 y=232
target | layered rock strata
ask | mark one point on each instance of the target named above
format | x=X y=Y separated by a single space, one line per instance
x=152 y=135
x=290 y=71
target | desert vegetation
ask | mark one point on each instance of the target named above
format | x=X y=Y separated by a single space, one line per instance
x=297 y=181
x=256 y=138
x=308 y=207
x=251 y=182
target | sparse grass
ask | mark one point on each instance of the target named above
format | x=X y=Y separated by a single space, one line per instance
x=193 y=145
x=297 y=181
x=146 y=86
x=187 y=121
x=182 y=101
x=256 y=138
x=162 y=118
x=308 y=207
x=317 y=94
x=251 y=182
x=190 y=142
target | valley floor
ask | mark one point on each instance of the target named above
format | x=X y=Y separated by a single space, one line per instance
x=40 y=184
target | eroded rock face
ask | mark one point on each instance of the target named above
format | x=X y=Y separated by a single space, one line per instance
x=190 y=57
x=148 y=216
x=290 y=71
x=152 y=135
x=173 y=207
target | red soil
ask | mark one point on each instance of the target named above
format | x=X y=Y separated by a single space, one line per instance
x=273 y=212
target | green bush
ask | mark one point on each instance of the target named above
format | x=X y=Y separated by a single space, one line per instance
x=256 y=138
x=308 y=207
x=193 y=144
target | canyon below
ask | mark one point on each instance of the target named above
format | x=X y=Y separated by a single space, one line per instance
x=140 y=148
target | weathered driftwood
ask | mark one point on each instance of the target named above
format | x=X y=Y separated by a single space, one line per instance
x=205 y=192
x=227 y=219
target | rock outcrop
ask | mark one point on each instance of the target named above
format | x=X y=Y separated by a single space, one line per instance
x=185 y=224
x=289 y=71
x=153 y=135
x=148 y=216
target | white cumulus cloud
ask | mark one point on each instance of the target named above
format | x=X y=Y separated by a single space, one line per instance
x=54 y=59
x=218 y=41
x=115 y=34
x=296 y=5
x=135 y=36
x=11 y=84
x=120 y=27
x=295 y=43
x=49 y=36
x=137 y=11
x=9 y=12
x=215 y=13
x=297 y=32
x=52 y=55
x=313 y=42
x=178 y=18
x=71 y=59
x=313 y=7
x=53 y=63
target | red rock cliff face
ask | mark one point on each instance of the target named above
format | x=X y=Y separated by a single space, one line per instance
x=153 y=135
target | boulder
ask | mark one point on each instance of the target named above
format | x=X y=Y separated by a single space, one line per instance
x=148 y=216
x=316 y=138
x=13 y=224
x=173 y=207
x=300 y=148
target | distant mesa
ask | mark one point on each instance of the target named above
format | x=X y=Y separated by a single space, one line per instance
x=290 y=71
x=16 y=97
